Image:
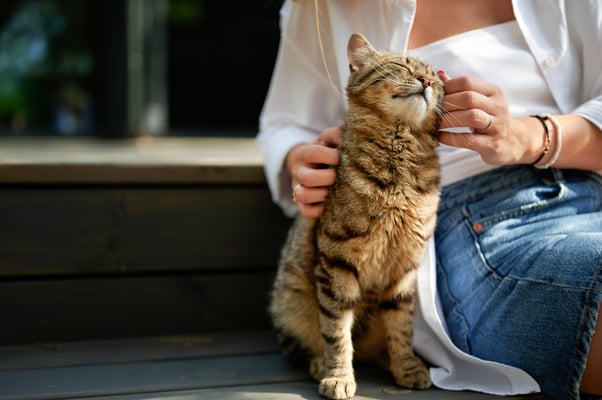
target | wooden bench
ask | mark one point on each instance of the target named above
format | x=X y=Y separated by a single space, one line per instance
x=140 y=269
x=105 y=238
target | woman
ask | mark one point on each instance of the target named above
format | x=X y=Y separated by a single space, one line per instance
x=519 y=240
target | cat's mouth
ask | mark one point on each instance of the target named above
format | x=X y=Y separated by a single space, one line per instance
x=406 y=95
x=418 y=91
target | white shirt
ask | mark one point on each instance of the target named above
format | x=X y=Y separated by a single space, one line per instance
x=498 y=51
x=565 y=41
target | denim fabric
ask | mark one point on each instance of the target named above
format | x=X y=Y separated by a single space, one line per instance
x=519 y=270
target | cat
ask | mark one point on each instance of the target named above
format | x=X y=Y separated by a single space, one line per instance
x=346 y=282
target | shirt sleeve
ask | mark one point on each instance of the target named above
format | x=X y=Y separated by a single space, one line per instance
x=302 y=100
x=587 y=24
x=565 y=41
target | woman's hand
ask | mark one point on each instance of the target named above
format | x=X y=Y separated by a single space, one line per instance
x=497 y=137
x=310 y=166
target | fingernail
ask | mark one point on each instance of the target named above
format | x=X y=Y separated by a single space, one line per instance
x=441 y=72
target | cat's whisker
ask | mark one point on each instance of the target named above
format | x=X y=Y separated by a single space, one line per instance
x=447 y=103
x=388 y=74
x=440 y=111
x=453 y=121
x=446 y=115
x=449 y=118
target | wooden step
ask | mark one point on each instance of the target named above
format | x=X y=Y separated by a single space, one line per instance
x=224 y=366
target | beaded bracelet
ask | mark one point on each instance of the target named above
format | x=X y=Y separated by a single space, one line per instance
x=547 y=140
x=558 y=139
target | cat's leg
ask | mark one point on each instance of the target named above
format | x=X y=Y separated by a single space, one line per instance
x=338 y=381
x=294 y=305
x=295 y=314
x=397 y=315
x=338 y=292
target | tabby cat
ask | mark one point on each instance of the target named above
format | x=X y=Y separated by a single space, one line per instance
x=346 y=282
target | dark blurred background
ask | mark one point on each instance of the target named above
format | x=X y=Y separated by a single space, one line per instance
x=115 y=68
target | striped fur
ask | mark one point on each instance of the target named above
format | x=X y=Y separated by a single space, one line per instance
x=345 y=286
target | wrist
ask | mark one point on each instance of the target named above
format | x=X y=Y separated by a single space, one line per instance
x=534 y=142
x=547 y=139
x=553 y=141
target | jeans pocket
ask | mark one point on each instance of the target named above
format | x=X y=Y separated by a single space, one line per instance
x=515 y=205
x=504 y=225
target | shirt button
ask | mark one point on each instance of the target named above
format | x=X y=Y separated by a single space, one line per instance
x=549 y=62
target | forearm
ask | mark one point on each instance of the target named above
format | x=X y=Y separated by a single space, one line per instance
x=581 y=143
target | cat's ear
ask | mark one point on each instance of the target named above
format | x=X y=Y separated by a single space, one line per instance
x=358 y=51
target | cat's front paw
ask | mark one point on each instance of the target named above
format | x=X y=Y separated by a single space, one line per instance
x=412 y=374
x=338 y=388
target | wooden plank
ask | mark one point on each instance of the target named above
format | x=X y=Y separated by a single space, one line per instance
x=69 y=354
x=130 y=174
x=57 y=310
x=166 y=160
x=78 y=230
x=260 y=377
x=146 y=377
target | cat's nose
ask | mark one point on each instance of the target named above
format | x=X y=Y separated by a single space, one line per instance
x=425 y=82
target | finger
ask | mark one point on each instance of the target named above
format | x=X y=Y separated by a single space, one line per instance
x=312 y=177
x=317 y=154
x=474 y=118
x=470 y=83
x=309 y=195
x=444 y=77
x=467 y=101
x=331 y=137
x=471 y=141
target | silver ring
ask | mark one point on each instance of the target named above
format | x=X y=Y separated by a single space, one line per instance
x=295 y=192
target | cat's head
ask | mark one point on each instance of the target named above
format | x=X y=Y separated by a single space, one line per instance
x=393 y=86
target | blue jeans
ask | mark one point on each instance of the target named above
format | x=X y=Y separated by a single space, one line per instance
x=519 y=270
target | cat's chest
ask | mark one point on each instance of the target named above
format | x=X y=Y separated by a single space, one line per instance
x=399 y=230
x=389 y=251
